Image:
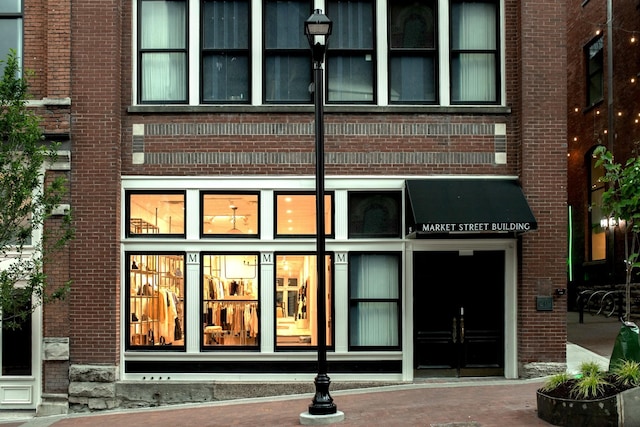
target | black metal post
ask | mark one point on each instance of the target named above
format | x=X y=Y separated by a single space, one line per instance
x=322 y=402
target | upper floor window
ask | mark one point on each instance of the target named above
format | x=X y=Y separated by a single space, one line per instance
x=413 y=52
x=287 y=67
x=351 y=52
x=162 y=53
x=474 y=52
x=225 y=51
x=10 y=28
x=442 y=52
x=595 y=71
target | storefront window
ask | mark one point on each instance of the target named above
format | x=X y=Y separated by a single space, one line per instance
x=374 y=305
x=156 y=311
x=230 y=214
x=230 y=301
x=296 y=214
x=373 y=214
x=150 y=213
x=296 y=300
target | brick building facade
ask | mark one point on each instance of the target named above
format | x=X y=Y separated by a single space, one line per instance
x=603 y=111
x=446 y=195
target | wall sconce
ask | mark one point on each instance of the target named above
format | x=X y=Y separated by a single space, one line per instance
x=611 y=222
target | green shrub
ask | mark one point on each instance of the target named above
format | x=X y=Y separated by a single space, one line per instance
x=627 y=373
x=556 y=381
x=589 y=386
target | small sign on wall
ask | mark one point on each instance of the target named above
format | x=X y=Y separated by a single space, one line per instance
x=544 y=303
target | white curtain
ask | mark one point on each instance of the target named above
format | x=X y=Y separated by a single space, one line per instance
x=163 y=73
x=374 y=277
x=474 y=28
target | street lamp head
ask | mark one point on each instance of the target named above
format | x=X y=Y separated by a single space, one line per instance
x=317 y=28
x=318 y=24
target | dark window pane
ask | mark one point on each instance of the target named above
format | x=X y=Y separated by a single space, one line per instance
x=350 y=78
x=374 y=214
x=16 y=343
x=288 y=78
x=412 y=24
x=226 y=25
x=412 y=79
x=225 y=77
x=284 y=24
x=352 y=25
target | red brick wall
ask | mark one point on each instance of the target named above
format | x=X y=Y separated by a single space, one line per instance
x=543 y=113
x=95 y=76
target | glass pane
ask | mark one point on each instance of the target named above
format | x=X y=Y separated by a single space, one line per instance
x=473 y=25
x=350 y=78
x=352 y=24
x=230 y=300
x=226 y=25
x=473 y=77
x=16 y=343
x=412 y=79
x=10 y=38
x=598 y=234
x=163 y=25
x=225 y=77
x=288 y=78
x=156 y=300
x=296 y=300
x=156 y=214
x=374 y=215
x=374 y=324
x=296 y=214
x=412 y=24
x=232 y=214
x=374 y=276
x=11 y=6
x=284 y=25
x=164 y=77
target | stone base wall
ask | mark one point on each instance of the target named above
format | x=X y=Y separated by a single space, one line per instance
x=541 y=369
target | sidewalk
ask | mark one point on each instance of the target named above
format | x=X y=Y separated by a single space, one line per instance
x=486 y=402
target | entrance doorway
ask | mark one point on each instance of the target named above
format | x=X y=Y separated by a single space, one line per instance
x=458 y=306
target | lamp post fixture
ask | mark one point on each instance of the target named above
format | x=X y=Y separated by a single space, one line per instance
x=317 y=28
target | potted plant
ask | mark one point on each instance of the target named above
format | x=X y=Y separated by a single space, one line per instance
x=592 y=397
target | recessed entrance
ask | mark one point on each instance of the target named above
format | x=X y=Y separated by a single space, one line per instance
x=459 y=313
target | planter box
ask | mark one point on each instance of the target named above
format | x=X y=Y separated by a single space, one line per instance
x=620 y=410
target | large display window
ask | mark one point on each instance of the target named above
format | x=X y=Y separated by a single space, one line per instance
x=155 y=303
x=230 y=307
x=227 y=214
x=296 y=301
x=296 y=214
x=155 y=213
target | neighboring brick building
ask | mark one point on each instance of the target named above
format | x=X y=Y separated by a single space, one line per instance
x=603 y=109
x=192 y=189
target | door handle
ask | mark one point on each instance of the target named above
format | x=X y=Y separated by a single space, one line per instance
x=462 y=329
x=454 y=330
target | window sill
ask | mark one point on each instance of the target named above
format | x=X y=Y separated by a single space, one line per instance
x=309 y=109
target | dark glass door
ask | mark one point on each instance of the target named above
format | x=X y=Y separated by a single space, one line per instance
x=458 y=313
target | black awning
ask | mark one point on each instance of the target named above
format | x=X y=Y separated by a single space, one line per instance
x=443 y=206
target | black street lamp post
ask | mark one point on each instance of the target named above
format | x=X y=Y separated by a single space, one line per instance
x=317 y=28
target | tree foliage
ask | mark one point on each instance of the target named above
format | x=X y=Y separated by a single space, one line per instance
x=621 y=200
x=26 y=201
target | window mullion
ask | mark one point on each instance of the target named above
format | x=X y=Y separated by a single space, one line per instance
x=381 y=51
x=255 y=47
x=193 y=52
x=444 y=56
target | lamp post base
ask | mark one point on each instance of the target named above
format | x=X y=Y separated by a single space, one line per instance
x=307 y=419
x=322 y=401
